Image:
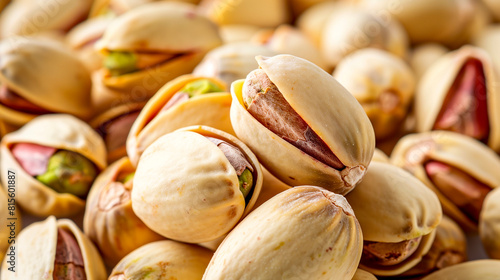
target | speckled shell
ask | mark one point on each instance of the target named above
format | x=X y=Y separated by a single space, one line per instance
x=363 y=275
x=479 y=269
x=46 y=74
x=325 y=243
x=186 y=189
x=206 y=109
x=489 y=224
x=437 y=80
x=350 y=139
x=62 y=132
x=5 y=231
x=117 y=231
x=455 y=150
x=164 y=260
x=423 y=56
x=36 y=250
x=414 y=211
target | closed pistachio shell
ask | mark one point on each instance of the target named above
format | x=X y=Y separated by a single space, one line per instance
x=363 y=275
x=325 y=242
x=489 y=224
x=380 y=156
x=10 y=215
x=479 y=269
x=423 y=56
x=186 y=189
x=153 y=122
x=163 y=260
x=37 y=247
x=61 y=132
x=323 y=104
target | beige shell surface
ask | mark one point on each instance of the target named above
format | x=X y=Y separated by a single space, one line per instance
x=206 y=109
x=196 y=198
x=488 y=40
x=479 y=269
x=437 y=80
x=62 y=132
x=7 y=230
x=166 y=259
x=233 y=33
x=325 y=243
x=489 y=224
x=424 y=55
x=363 y=275
x=351 y=140
x=34 y=69
x=380 y=156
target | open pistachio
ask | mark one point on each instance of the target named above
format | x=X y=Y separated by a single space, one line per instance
x=479 y=269
x=324 y=229
x=424 y=55
x=396 y=244
x=489 y=224
x=56 y=158
x=194 y=195
x=459 y=169
x=292 y=114
x=12 y=218
x=55 y=249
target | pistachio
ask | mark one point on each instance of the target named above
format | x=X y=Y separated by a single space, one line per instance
x=192 y=89
x=33 y=158
x=68 y=262
x=489 y=224
x=363 y=275
x=12 y=100
x=478 y=269
x=424 y=55
x=120 y=63
x=389 y=253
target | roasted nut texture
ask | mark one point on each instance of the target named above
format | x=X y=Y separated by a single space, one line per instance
x=489 y=224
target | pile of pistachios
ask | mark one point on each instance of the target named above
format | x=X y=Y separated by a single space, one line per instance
x=249 y=139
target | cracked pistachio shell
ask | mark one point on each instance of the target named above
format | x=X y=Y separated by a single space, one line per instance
x=325 y=243
x=382 y=83
x=453 y=149
x=163 y=260
x=489 y=224
x=186 y=189
x=437 y=80
x=414 y=211
x=5 y=214
x=109 y=220
x=363 y=275
x=36 y=250
x=323 y=104
x=61 y=132
x=45 y=74
x=423 y=56
x=152 y=123
x=479 y=269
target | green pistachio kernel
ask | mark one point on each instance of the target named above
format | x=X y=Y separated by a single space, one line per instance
x=200 y=87
x=246 y=182
x=119 y=63
x=127 y=178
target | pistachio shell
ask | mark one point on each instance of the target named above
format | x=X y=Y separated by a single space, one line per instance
x=488 y=40
x=299 y=6
x=479 y=269
x=323 y=104
x=36 y=250
x=324 y=229
x=7 y=215
x=423 y=56
x=380 y=156
x=61 y=132
x=233 y=33
x=206 y=109
x=455 y=150
x=363 y=275
x=112 y=8
x=489 y=224
x=164 y=260
x=186 y=189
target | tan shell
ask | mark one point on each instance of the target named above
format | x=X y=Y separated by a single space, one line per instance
x=206 y=109
x=164 y=260
x=325 y=243
x=271 y=186
x=437 y=80
x=233 y=33
x=116 y=231
x=479 y=269
x=489 y=224
x=351 y=140
x=383 y=84
x=423 y=56
x=111 y=8
x=414 y=211
x=9 y=215
x=363 y=275
x=45 y=74
x=488 y=40
x=380 y=156
x=36 y=249
x=186 y=189
x=62 y=132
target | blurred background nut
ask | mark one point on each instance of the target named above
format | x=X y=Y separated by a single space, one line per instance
x=489 y=39
x=363 y=275
x=494 y=8
x=233 y=33
x=479 y=269
x=56 y=157
x=459 y=169
x=109 y=220
x=423 y=56
x=489 y=224
x=393 y=245
x=380 y=156
x=325 y=242
x=382 y=83
x=300 y=139
x=7 y=233
x=113 y=8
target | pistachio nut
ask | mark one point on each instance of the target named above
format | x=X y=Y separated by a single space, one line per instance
x=39 y=77
x=382 y=83
x=363 y=275
x=56 y=158
x=380 y=156
x=396 y=244
x=459 y=169
x=184 y=101
x=424 y=55
x=459 y=92
x=188 y=187
x=114 y=126
x=233 y=33
x=325 y=243
x=478 y=269
x=271 y=186
x=55 y=249
x=297 y=126
x=113 y=8
x=488 y=39
x=11 y=218
x=489 y=224
x=163 y=260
